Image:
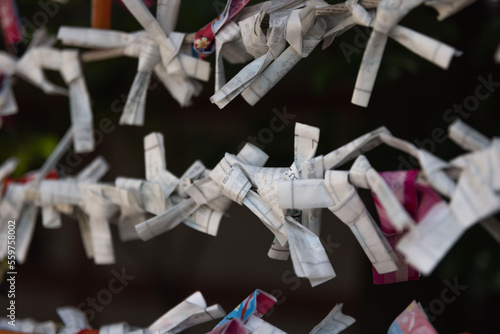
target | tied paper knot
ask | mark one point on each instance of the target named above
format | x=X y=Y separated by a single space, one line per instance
x=232 y=181
x=385 y=23
x=41 y=55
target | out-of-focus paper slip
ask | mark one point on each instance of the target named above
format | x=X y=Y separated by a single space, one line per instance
x=256 y=325
x=425 y=245
x=159 y=49
x=74 y=320
x=257 y=304
x=447 y=8
x=475 y=197
x=335 y=322
x=149 y=195
x=57 y=192
x=467 y=137
x=413 y=320
x=233 y=326
x=101 y=203
x=151 y=25
x=190 y=312
x=30 y=67
x=472 y=140
x=27 y=326
x=416 y=199
x=156 y=165
x=119 y=328
x=167 y=13
x=6 y=169
x=363 y=175
x=433 y=168
x=27 y=207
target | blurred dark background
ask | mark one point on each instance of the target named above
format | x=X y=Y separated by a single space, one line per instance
x=410 y=98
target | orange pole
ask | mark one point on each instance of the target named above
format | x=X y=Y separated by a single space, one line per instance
x=101 y=14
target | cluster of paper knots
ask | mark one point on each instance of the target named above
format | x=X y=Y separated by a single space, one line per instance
x=422 y=213
x=272 y=36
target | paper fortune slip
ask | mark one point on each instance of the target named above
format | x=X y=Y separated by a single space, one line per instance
x=413 y=320
x=41 y=56
x=257 y=304
x=414 y=230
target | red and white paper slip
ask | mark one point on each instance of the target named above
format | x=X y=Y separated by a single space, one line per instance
x=413 y=320
x=257 y=304
x=233 y=326
x=204 y=41
x=30 y=176
x=11 y=23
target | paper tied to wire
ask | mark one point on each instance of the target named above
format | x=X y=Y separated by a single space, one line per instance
x=190 y=312
x=292 y=22
x=297 y=24
x=30 y=66
x=434 y=219
x=20 y=202
x=201 y=202
x=246 y=318
x=385 y=23
x=389 y=188
x=204 y=40
x=472 y=199
x=55 y=196
x=258 y=191
x=259 y=33
x=409 y=203
x=305 y=145
x=339 y=196
x=159 y=49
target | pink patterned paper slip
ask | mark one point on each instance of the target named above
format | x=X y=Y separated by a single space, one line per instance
x=11 y=23
x=413 y=320
x=417 y=199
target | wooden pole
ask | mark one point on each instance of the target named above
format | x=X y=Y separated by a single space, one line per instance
x=101 y=14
